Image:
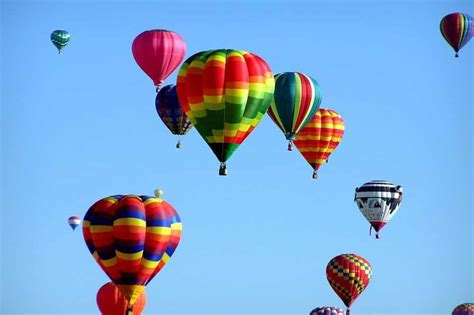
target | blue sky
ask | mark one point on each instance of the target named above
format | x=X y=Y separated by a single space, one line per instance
x=81 y=126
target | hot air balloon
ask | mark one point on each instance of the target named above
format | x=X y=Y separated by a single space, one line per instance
x=464 y=309
x=158 y=53
x=60 y=39
x=170 y=112
x=320 y=137
x=297 y=98
x=327 y=310
x=112 y=302
x=457 y=29
x=132 y=237
x=348 y=275
x=74 y=221
x=225 y=94
x=378 y=201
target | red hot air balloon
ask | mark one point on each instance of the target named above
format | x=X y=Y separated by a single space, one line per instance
x=132 y=237
x=112 y=302
x=348 y=275
x=457 y=29
x=158 y=53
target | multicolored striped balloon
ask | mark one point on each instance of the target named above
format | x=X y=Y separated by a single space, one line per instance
x=171 y=113
x=297 y=98
x=327 y=310
x=464 y=309
x=158 y=53
x=74 y=221
x=457 y=29
x=320 y=137
x=132 y=238
x=112 y=302
x=60 y=39
x=378 y=201
x=348 y=275
x=225 y=94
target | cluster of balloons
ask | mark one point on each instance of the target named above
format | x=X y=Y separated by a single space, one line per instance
x=225 y=93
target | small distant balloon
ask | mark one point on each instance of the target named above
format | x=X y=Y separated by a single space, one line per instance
x=60 y=39
x=457 y=29
x=327 y=310
x=464 y=309
x=74 y=221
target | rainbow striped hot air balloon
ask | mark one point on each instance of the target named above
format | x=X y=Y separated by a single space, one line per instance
x=320 y=137
x=457 y=29
x=296 y=99
x=132 y=237
x=60 y=39
x=225 y=94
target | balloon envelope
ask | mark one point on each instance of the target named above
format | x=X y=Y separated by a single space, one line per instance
x=378 y=201
x=170 y=111
x=296 y=99
x=457 y=29
x=348 y=275
x=158 y=53
x=225 y=94
x=464 y=309
x=60 y=39
x=327 y=310
x=320 y=137
x=74 y=221
x=112 y=302
x=131 y=237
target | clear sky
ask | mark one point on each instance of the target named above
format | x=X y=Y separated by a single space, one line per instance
x=82 y=125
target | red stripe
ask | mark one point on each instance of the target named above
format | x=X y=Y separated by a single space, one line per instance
x=306 y=95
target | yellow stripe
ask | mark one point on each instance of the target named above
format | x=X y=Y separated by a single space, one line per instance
x=126 y=256
x=86 y=224
x=101 y=228
x=130 y=221
x=158 y=230
x=149 y=263
x=177 y=226
x=153 y=200
x=109 y=262
x=165 y=258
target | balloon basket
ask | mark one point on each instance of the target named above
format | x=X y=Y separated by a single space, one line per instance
x=223 y=170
